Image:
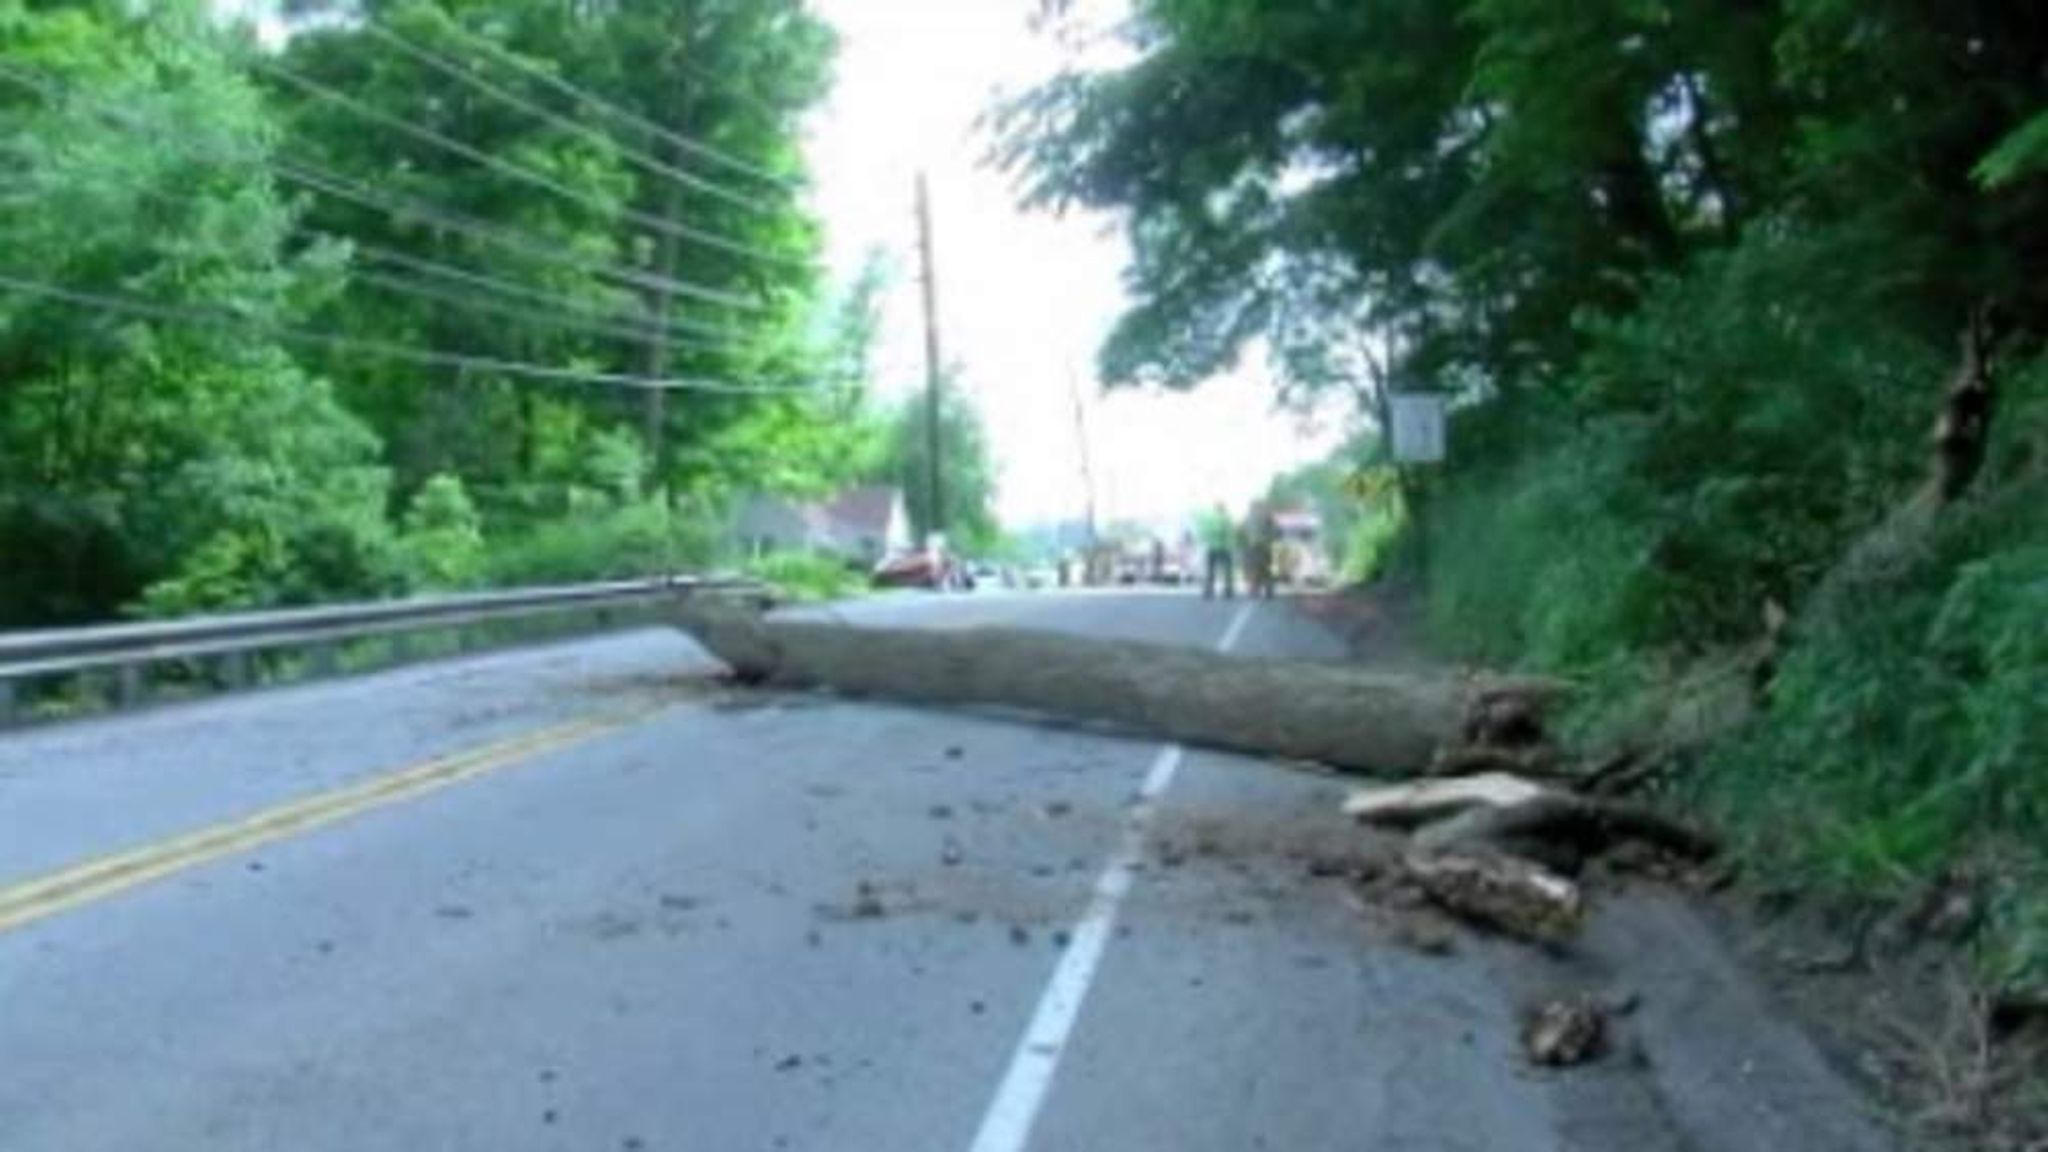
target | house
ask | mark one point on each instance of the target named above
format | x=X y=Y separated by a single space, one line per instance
x=859 y=525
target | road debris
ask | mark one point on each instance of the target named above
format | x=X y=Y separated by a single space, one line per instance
x=1584 y=826
x=867 y=902
x=1564 y=1032
x=1409 y=805
x=1499 y=891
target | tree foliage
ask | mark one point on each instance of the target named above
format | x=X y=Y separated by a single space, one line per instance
x=208 y=452
x=1690 y=272
x=967 y=472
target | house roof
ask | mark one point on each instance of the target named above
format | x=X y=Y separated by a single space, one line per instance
x=863 y=511
x=774 y=516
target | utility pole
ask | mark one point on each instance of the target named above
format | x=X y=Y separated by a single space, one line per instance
x=935 y=515
x=654 y=409
x=1087 y=461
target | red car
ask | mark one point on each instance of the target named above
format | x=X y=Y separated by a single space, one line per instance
x=922 y=568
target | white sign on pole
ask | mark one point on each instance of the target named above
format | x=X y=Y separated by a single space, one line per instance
x=1418 y=427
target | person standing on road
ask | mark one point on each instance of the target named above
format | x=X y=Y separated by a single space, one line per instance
x=1262 y=539
x=1218 y=543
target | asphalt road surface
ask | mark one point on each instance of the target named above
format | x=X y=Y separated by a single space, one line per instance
x=578 y=897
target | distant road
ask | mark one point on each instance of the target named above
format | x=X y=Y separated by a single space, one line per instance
x=578 y=898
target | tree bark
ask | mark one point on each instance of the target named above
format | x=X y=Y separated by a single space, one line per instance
x=1502 y=892
x=1334 y=714
x=1960 y=439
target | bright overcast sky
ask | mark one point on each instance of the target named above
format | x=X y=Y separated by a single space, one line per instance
x=1024 y=298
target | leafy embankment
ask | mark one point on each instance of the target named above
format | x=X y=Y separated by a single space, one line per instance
x=1689 y=276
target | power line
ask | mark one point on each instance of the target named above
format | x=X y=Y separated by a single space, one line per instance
x=399 y=285
x=518 y=172
x=330 y=183
x=217 y=319
x=570 y=124
x=703 y=335
x=693 y=147
x=556 y=309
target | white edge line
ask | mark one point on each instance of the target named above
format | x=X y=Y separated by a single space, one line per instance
x=1006 y=1126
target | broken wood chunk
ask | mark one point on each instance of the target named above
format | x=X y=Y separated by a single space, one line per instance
x=1564 y=1032
x=1408 y=805
x=1584 y=825
x=1502 y=892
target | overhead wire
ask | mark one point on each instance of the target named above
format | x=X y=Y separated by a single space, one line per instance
x=671 y=326
x=683 y=143
x=540 y=305
x=331 y=183
x=570 y=124
x=327 y=182
x=402 y=286
x=155 y=310
x=706 y=337
x=519 y=172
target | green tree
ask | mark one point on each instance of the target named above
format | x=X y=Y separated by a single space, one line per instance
x=443 y=539
x=1691 y=273
x=967 y=473
x=177 y=464
x=734 y=75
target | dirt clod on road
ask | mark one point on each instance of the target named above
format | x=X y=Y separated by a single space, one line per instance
x=1564 y=1032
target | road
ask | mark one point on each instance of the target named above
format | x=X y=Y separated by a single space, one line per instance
x=579 y=897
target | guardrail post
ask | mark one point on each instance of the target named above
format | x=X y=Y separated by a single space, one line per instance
x=8 y=703
x=234 y=670
x=325 y=660
x=128 y=685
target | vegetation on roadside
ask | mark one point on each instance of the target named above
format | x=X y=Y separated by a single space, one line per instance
x=265 y=307
x=1691 y=278
x=809 y=576
x=1356 y=495
x=248 y=438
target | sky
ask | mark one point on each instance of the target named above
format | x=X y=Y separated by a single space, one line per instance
x=1024 y=298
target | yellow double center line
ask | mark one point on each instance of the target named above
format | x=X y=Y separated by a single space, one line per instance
x=105 y=876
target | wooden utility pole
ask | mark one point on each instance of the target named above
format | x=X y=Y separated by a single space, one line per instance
x=1087 y=461
x=654 y=410
x=935 y=507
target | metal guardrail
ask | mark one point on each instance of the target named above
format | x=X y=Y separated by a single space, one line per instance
x=129 y=650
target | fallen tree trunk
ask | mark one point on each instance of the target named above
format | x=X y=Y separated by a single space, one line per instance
x=1334 y=714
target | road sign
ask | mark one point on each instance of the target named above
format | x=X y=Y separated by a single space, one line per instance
x=1418 y=427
